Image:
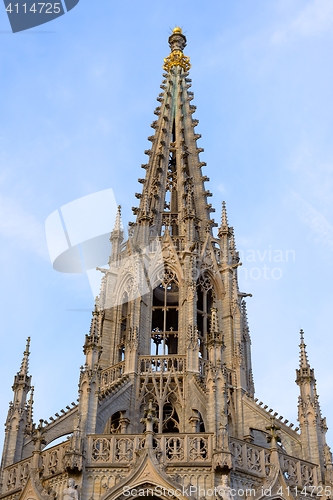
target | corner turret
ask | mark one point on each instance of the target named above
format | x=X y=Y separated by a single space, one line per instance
x=19 y=417
x=312 y=425
x=89 y=376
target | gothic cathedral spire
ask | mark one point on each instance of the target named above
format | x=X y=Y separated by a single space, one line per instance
x=173 y=194
x=312 y=425
x=166 y=394
x=19 y=418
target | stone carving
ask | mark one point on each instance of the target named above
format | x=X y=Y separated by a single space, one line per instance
x=175 y=449
x=198 y=449
x=223 y=490
x=132 y=340
x=70 y=493
x=124 y=449
x=101 y=450
x=192 y=337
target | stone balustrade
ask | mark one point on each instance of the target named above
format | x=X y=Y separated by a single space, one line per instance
x=170 y=449
x=162 y=364
x=112 y=374
x=298 y=472
x=254 y=459
x=51 y=462
x=16 y=475
x=178 y=241
x=53 y=459
x=250 y=458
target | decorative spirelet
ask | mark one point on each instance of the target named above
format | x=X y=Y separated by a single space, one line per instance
x=177 y=42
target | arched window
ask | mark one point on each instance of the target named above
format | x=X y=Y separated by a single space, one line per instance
x=170 y=419
x=124 y=326
x=164 y=329
x=113 y=425
x=197 y=422
x=167 y=420
x=170 y=215
x=205 y=296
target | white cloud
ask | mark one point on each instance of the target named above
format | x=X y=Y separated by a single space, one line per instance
x=314 y=175
x=320 y=227
x=21 y=227
x=315 y=18
x=221 y=188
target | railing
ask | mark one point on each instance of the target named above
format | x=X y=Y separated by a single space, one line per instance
x=185 y=448
x=169 y=449
x=250 y=458
x=155 y=244
x=162 y=364
x=112 y=374
x=53 y=459
x=298 y=472
x=113 y=449
x=255 y=459
x=156 y=241
x=172 y=449
x=16 y=475
x=52 y=462
x=179 y=243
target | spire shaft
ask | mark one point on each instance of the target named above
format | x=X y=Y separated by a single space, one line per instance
x=118 y=224
x=25 y=360
x=173 y=190
x=303 y=357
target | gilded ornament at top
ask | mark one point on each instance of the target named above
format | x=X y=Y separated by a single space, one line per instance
x=177 y=58
x=177 y=43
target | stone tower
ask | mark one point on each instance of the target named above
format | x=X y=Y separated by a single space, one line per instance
x=166 y=402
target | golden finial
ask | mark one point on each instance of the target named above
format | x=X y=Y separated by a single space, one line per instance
x=177 y=42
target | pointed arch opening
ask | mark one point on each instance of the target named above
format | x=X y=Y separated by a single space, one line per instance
x=167 y=418
x=197 y=421
x=113 y=424
x=170 y=423
x=170 y=210
x=231 y=428
x=124 y=326
x=164 y=328
x=117 y=423
x=205 y=300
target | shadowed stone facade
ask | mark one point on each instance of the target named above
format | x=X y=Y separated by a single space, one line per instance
x=166 y=396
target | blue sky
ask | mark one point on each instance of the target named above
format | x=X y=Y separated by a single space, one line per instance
x=78 y=96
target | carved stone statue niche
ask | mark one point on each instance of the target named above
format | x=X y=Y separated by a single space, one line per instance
x=70 y=493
